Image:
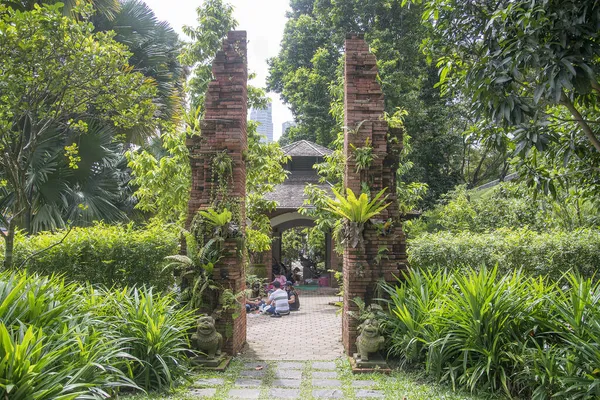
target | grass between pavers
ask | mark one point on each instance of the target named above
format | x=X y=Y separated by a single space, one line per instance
x=397 y=386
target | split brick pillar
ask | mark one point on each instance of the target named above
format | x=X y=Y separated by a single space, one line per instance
x=224 y=130
x=364 y=108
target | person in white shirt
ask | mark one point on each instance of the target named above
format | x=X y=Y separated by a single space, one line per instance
x=278 y=302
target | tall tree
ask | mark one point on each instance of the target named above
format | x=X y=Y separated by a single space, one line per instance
x=57 y=78
x=308 y=75
x=155 y=50
x=532 y=68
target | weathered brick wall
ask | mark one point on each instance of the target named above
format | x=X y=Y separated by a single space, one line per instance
x=224 y=129
x=364 y=108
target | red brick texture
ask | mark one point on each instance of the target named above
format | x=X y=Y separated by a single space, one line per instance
x=224 y=129
x=364 y=108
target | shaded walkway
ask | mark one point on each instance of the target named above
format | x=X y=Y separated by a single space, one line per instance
x=313 y=333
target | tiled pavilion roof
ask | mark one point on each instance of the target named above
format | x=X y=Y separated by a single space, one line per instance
x=304 y=148
x=290 y=194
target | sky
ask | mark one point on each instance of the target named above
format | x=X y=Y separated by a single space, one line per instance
x=263 y=20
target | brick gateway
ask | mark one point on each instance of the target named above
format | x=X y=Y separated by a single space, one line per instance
x=224 y=130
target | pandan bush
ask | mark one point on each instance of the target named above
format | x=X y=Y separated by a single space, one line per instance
x=111 y=255
x=68 y=341
x=511 y=333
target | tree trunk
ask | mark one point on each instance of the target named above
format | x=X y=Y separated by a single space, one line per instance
x=9 y=244
x=582 y=124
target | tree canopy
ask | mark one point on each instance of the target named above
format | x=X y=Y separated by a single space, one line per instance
x=308 y=73
x=531 y=68
x=58 y=80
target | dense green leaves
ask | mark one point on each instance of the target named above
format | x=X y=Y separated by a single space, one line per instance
x=112 y=255
x=549 y=253
x=532 y=68
x=215 y=19
x=65 y=341
x=354 y=209
x=502 y=332
x=308 y=73
x=506 y=205
x=155 y=48
x=58 y=78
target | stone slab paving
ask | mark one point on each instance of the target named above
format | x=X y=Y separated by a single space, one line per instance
x=363 y=383
x=288 y=374
x=326 y=383
x=247 y=382
x=313 y=333
x=280 y=393
x=328 y=394
x=369 y=393
x=287 y=380
x=324 y=374
x=252 y=373
x=257 y=364
x=294 y=383
x=327 y=365
x=290 y=365
x=244 y=394
x=209 y=382
x=203 y=393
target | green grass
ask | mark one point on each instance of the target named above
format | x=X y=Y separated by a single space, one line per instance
x=397 y=386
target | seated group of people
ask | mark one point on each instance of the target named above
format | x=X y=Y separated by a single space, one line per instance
x=281 y=300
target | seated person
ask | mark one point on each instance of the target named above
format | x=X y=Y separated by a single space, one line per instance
x=256 y=289
x=278 y=278
x=297 y=277
x=252 y=305
x=278 y=302
x=293 y=299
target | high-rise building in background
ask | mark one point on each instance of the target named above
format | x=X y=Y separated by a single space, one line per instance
x=286 y=125
x=265 y=121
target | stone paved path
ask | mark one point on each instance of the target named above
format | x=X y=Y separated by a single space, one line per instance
x=288 y=380
x=313 y=333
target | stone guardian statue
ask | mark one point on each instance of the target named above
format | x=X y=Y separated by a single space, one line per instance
x=207 y=339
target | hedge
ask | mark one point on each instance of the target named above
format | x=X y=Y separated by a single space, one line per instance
x=112 y=255
x=551 y=253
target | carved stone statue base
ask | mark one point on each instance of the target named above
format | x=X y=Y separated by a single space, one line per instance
x=375 y=363
x=219 y=363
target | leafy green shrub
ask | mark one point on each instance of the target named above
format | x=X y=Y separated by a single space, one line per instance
x=111 y=255
x=157 y=330
x=507 y=205
x=551 y=253
x=503 y=206
x=412 y=303
x=68 y=341
x=508 y=333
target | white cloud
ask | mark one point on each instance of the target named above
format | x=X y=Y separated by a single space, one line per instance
x=263 y=20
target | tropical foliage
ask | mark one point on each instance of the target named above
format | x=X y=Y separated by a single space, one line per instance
x=111 y=255
x=353 y=213
x=161 y=172
x=83 y=89
x=548 y=253
x=308 y=74
x=303 y=244
x=525 y=337
x=531 y=68
x=354 y=209
x=69 y=341
x=506 y=205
